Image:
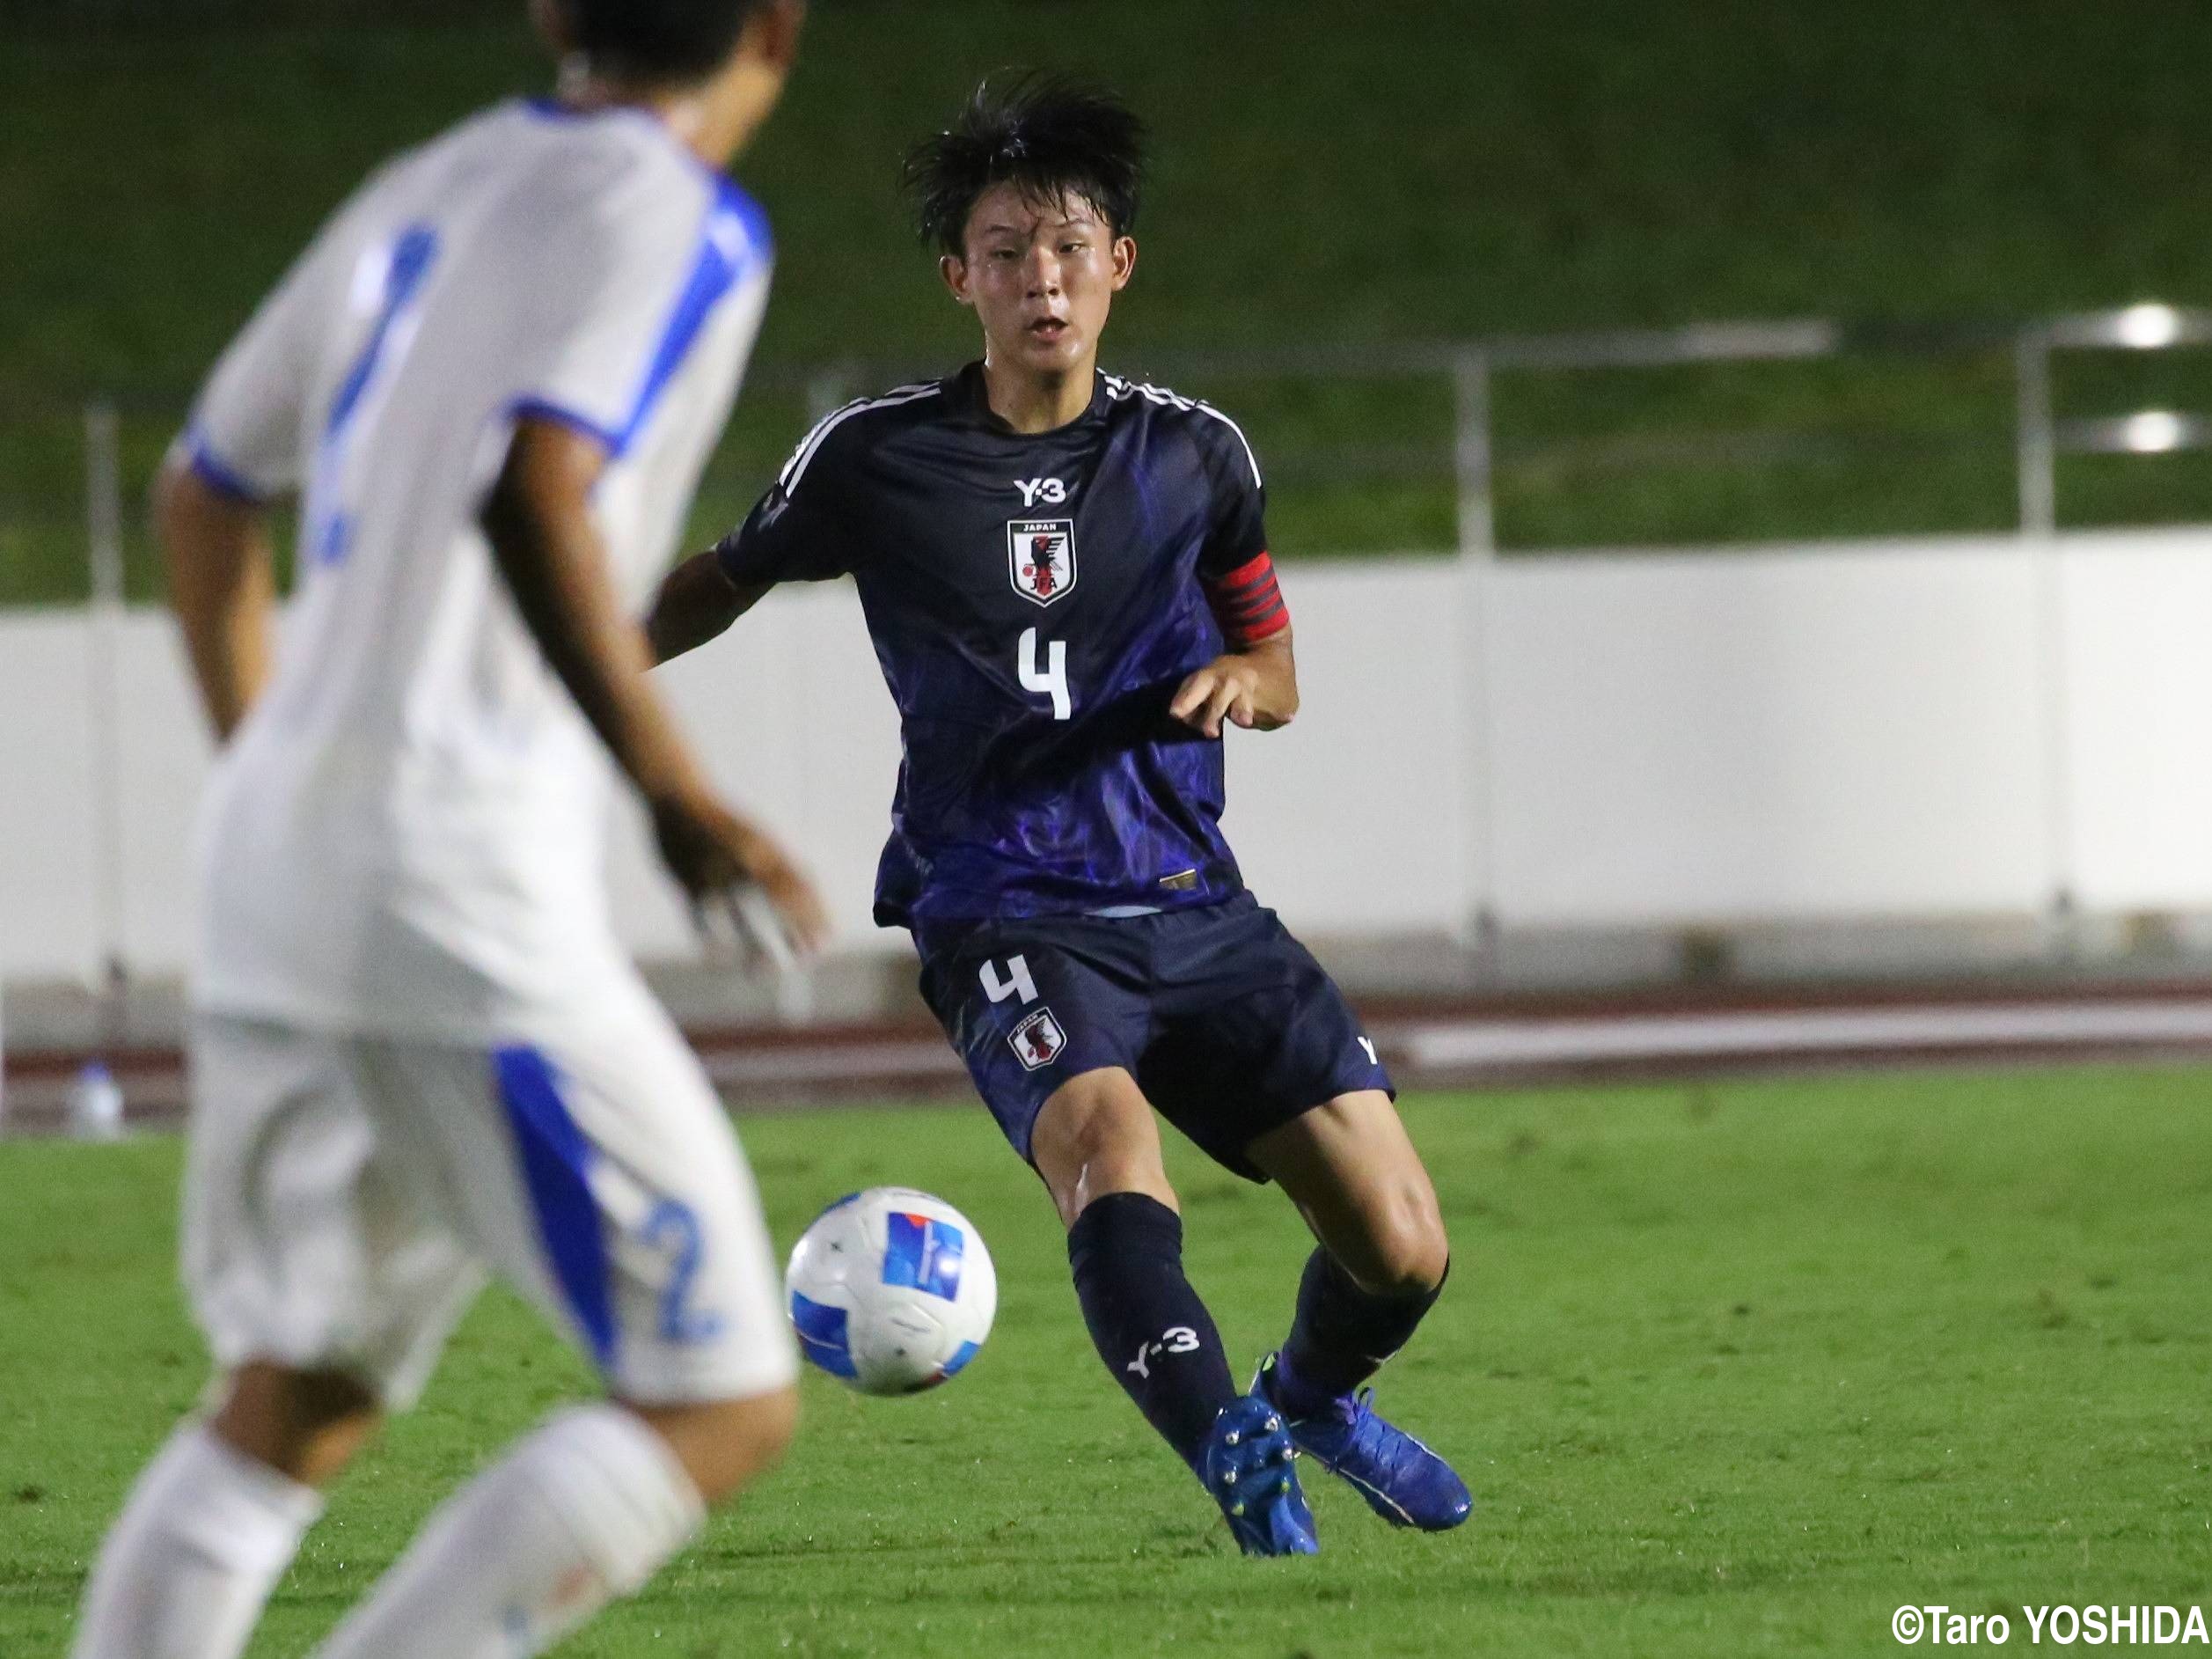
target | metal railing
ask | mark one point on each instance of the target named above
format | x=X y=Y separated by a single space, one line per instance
x=1454 y=459
x=1472 y=368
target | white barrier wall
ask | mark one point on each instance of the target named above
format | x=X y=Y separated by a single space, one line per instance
x=1878 y=730
x=1850 y=731
x=50 y=896
x=2137 y=700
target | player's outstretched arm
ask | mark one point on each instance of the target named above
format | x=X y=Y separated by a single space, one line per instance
x=696 y=604
x=223 y=586
x=1255 y=687
x=538 y=518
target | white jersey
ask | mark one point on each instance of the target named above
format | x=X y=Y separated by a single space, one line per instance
x=406 y=836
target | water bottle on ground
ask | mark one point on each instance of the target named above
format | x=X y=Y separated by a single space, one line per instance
x=96 y=1104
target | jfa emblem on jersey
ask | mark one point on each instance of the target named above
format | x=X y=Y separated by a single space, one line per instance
x=1038 y=1039
x=1041 y=558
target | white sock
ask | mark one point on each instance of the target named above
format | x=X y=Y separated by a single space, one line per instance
x=585 y=1509
x=205 y=1536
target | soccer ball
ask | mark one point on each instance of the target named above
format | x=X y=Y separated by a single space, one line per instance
x=891 y=1291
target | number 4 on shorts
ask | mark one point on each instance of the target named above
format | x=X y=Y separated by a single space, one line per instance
x=1017 y=979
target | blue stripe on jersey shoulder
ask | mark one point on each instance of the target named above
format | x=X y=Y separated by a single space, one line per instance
x=735 y=243
x=726 y=253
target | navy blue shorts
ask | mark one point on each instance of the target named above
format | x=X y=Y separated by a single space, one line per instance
x=1227 y=1024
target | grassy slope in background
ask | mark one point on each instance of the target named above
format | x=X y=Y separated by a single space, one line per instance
x=1441 y=170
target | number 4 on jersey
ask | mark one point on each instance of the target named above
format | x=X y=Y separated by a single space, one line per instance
x=1017 y=979
x=1053 y=678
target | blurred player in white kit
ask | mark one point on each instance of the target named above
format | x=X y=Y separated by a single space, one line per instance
x=418 y=1053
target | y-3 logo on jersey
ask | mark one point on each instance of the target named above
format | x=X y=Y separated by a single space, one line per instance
x=1041 y=558
x=1051 y=491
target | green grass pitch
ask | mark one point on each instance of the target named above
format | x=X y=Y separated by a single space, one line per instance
x=1731 y=1369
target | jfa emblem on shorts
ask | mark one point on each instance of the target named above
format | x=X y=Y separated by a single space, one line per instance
x=1038 y=1039
x=1041 y=558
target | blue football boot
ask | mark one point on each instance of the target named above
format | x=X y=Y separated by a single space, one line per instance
x=1248 y=1466
x=1401 y=1480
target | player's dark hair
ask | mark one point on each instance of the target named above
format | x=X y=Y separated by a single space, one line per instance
x=1051 y=135
x=671 y=41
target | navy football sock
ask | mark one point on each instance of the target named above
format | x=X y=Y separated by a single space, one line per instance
x=1342 y=1335
x=1147 y=1323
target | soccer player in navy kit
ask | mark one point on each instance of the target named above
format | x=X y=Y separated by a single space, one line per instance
x=1067 y=581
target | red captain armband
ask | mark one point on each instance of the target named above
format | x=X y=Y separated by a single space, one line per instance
x=1246 y=603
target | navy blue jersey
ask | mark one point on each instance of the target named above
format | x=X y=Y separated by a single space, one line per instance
x=1034 y=602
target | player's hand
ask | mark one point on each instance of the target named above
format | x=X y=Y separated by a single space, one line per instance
x=1224 y=689
x=739 y=878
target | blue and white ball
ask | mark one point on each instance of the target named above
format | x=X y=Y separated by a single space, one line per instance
x=891 y=1291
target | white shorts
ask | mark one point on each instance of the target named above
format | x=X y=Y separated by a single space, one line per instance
x=346 y=1195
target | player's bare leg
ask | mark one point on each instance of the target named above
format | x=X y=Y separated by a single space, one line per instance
x=1351 y=1170
x=305 y=1425
x=1096 y=1135
x=725 y=1445
x=1097 y=1146
x=579 y=1512
x=217 y=1516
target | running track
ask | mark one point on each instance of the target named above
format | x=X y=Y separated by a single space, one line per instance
x=1492 y=1042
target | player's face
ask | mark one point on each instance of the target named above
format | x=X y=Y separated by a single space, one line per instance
x=1041 y=278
